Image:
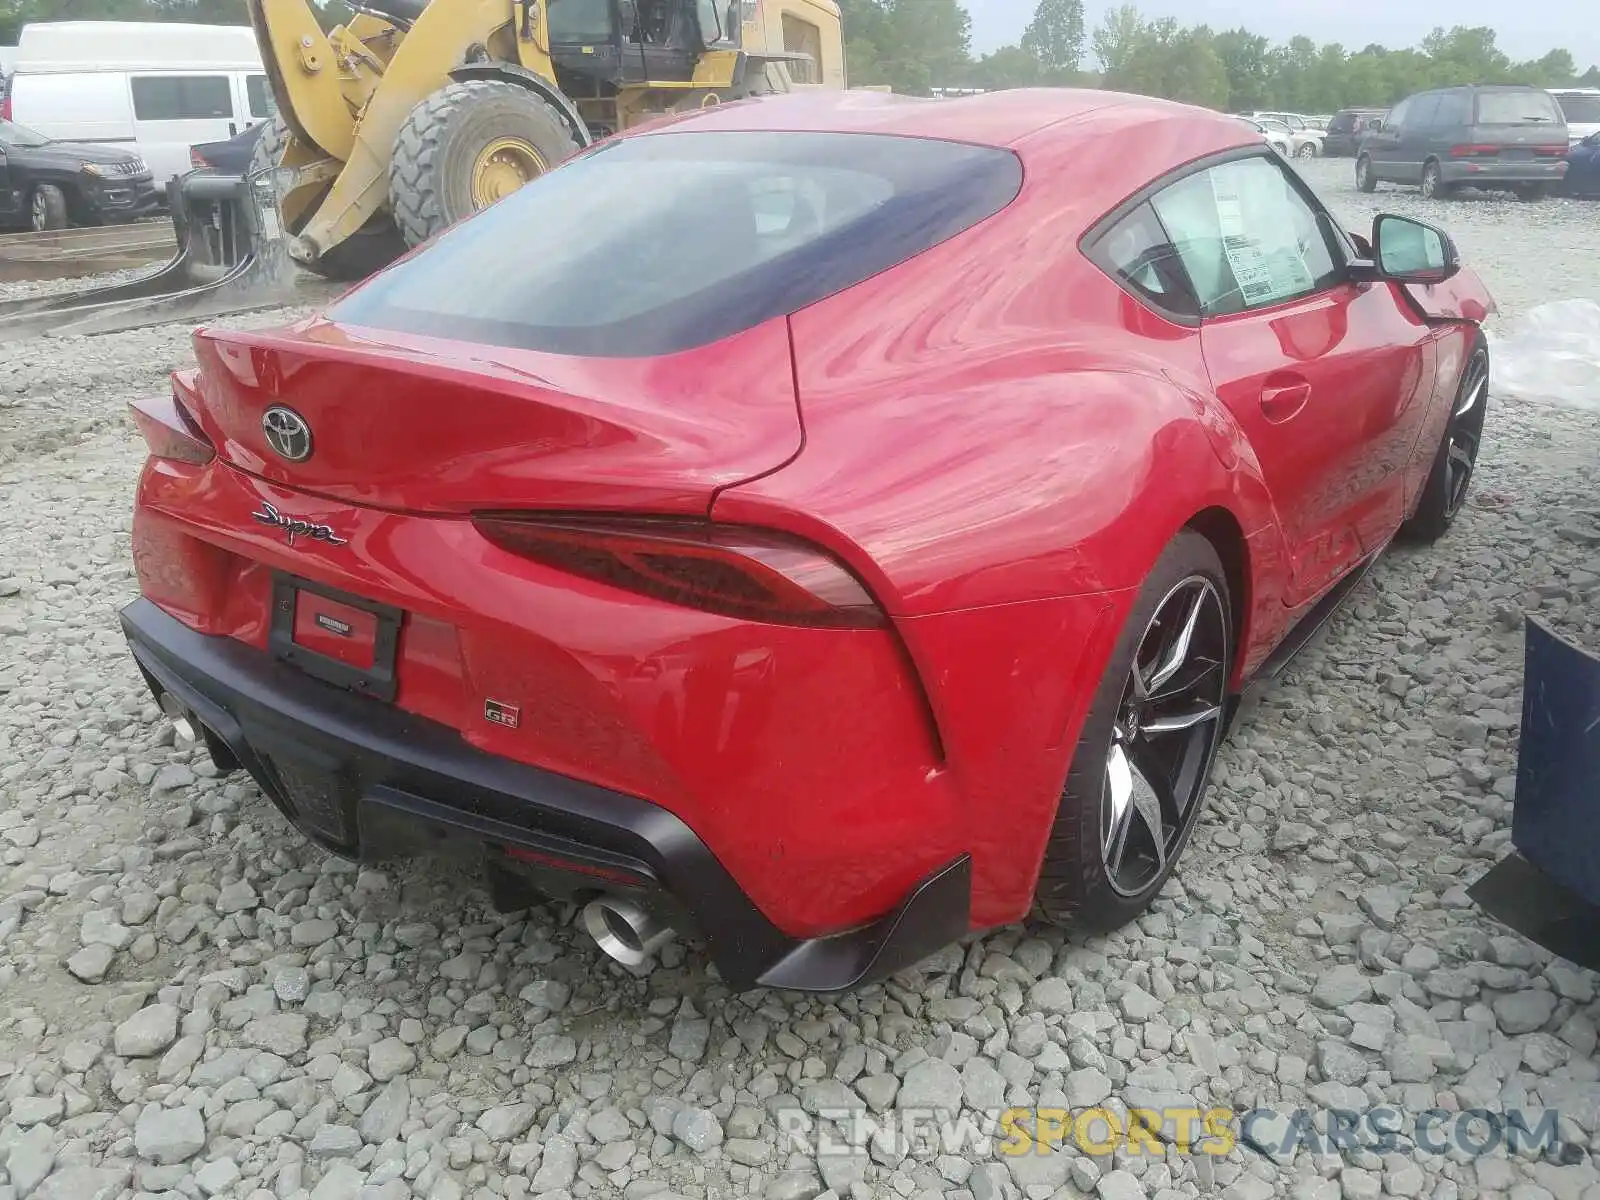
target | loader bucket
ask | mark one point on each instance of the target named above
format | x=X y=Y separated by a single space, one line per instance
x=231 y=258
x=1548 y=889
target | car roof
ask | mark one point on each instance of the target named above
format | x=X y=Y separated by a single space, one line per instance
x=1157 y=135
x=1002 y=119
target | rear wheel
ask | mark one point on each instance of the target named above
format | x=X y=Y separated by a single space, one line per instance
x=468 y=146
x=1366 y=181
x=1433 y=185
x=1445 y=493
x=1140 y=769
x=1309 y=150
x=368 y=250
x=47 y=209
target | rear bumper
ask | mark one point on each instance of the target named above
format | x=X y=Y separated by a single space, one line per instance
x=373 y=781
x=1472 y=174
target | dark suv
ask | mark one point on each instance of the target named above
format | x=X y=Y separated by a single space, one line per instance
x=1504 y=138
x=1346 y=129
x=46 y=184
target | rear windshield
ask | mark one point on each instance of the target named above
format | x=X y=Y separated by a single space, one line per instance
x=1518 y=108
x=1581 y=110
x=1342 y=123
x=651 y=245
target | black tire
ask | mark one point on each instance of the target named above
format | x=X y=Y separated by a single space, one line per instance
x=47 y=208
x=1366 y=179
x=367 y=251
x=1432 y=184
x=1445 y=492
x=1075 y=884
x=430 y=171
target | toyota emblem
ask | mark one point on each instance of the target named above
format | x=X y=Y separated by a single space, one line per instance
x=287 y=433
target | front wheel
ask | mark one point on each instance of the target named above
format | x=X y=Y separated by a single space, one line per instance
x=1444 y=494
x=468 y=146
x=1309 y=150
x=48 y=208
x=1366 y=181
x=1138 y=776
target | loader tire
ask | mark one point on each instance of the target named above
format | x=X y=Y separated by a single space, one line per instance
x=468 y=145
x=367 y=251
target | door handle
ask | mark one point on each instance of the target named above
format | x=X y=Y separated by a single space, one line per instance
x=1284 y=396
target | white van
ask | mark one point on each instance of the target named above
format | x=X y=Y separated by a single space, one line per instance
x=1581 y=107
x=156 y=86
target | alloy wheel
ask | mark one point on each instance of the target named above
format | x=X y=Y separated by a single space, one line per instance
x=1464 y=433
x=39 y=214
x=1167 y=728
x=1430 y=181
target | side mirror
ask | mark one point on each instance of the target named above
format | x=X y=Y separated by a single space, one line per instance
x=1408 y=251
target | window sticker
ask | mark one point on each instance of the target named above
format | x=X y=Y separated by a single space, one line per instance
x=1249 y=198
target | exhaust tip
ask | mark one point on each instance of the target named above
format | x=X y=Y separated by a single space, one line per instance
x=182 y=720
x=624 y=931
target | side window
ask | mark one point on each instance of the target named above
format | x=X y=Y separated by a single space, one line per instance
x=1424 y=112
x=1455 y=108
x=182 y=97
x=1247 y=237
x=261 y=105
x=1399 y=114
x=1138 y=254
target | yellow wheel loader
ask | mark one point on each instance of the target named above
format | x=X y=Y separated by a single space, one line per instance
x=419 y=113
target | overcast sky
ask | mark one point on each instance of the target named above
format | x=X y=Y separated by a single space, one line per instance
x=1534 y=29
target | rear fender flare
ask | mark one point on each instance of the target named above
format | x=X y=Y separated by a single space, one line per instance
x=534 y=82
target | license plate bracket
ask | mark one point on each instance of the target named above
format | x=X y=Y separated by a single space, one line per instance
x=291 y=599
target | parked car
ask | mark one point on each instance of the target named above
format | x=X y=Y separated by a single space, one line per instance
x=231 y=156
x=537 y=553
x=1293 y=143
x=1319 y=123
x=1347 y=127
x=1581 y=107
x=1493 y=137
x=1583 y=168
x=158 y=88
x=1277 y=136
x=46 y=184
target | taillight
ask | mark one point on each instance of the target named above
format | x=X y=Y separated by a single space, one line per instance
x=197 y=160
x=5 y=109
x=1551 y=151
x=169 y=428
x=1472 y=151
x=731 y=570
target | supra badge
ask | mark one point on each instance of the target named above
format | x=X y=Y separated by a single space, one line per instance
x=294 y=527
x=287 y=433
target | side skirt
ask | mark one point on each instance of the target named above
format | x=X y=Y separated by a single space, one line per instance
x=1298 y=638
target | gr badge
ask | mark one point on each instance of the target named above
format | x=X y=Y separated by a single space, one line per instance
x=499 y=713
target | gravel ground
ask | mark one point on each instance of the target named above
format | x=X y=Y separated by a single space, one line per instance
x=196 y=1004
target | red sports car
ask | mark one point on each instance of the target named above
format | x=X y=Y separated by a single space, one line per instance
x=827 y=524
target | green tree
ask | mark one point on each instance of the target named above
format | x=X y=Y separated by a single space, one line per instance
x=1175 y=63
x=1244 y=58
x=1116 y=38
x=1055 y=36
x=1008 y=67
